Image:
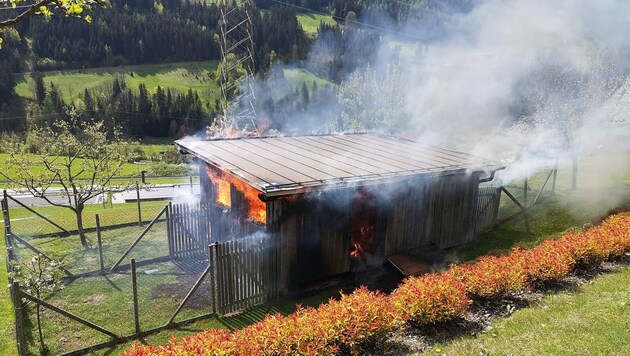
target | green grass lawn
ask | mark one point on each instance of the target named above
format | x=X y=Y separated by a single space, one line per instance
x=310 y=21
x=128 y=169
x=179 y=76
x=7 y=319
x=594 y=319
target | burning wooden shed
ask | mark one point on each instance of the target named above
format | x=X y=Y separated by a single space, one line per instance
x=327 y=202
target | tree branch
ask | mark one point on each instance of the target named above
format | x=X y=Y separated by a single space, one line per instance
x=33 y=10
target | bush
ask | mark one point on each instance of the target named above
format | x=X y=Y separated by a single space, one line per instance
x=430 y=298
x=162 y=169
x=347 y=323
x=491 y=276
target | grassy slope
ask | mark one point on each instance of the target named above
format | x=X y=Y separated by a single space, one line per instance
x=593 y=319
x=310 y=21
x=179 y=76
x=299 y=76
x=128 y=169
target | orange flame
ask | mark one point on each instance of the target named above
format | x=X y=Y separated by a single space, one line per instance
x=256 y=208
x=363 y=228
x=362 y=242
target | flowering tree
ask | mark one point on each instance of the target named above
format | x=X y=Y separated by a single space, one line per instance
x=78 y=161
x=37 y=276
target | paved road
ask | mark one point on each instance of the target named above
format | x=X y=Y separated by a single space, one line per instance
x=177 y=192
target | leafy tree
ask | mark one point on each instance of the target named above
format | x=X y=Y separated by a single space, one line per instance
x=370 y=101
x=71 y=8
x=79 y=158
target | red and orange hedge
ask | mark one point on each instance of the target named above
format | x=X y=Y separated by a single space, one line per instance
x=346 y=322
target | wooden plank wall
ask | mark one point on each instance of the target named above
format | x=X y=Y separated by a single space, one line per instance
x=406 y=216
x=310 y=239
x=439 y=210
x=452 y=208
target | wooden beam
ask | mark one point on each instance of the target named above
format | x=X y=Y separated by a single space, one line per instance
x=99 y=241
x=20 y=335
x=144 y=232
x=134 y=289
x=67 y=314
x=38 y=214
x=34 y=249
x=189 y=294
x=523 y=209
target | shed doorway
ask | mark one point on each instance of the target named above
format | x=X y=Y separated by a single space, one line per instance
x=365 y=243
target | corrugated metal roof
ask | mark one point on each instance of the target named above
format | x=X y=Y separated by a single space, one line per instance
x=279 y=166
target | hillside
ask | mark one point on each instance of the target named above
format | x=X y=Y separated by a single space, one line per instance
x=180 y=76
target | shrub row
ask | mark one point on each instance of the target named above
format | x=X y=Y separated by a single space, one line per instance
x=346 y=323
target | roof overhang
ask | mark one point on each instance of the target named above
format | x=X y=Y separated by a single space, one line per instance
x=282 y=166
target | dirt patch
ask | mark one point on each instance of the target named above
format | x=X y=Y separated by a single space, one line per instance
x=95 y=299
x=201 y=299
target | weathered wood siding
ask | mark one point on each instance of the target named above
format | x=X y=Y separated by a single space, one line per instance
x=452 y=210
x=311 y=240
x=439 y=210
x=310 y=236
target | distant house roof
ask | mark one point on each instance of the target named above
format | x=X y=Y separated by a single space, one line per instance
x=278 y=166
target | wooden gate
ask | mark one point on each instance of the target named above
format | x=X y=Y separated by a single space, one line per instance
x=488 y=200
x=242 y=272
x=189 y=234
x=239 y=265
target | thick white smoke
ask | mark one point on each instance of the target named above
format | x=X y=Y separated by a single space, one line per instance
x=526 y=81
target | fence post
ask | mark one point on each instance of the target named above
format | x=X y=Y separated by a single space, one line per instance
x=555 y=176
x=100 y=243
x=525 y=188
x=212 y=249
x=138 y=200
x=4 y=204
x=190 y=180
x=20 y=336
x=5 y=213
x=134 y=286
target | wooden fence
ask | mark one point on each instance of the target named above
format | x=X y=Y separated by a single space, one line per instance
x=242 y=273
x=488 y=200
x=189 y=233
x=240 y=256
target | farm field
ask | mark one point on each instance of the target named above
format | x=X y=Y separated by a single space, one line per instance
x=310 y=21
x=179 y=76
x=148 y=159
